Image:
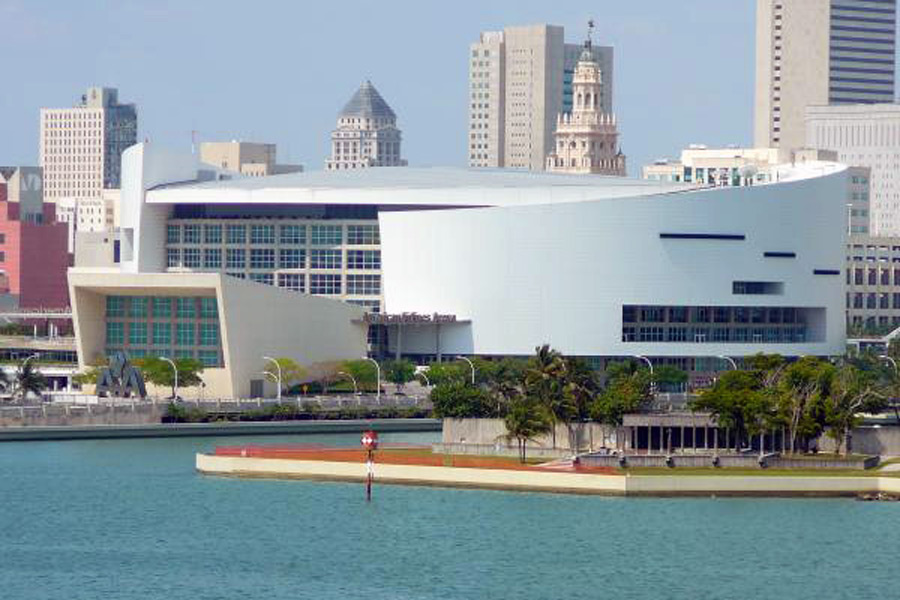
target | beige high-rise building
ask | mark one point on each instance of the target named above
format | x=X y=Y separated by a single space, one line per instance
x=247 y=158
x=520 y=79
x=366 y=134
x=586 y=137
x=819 y=52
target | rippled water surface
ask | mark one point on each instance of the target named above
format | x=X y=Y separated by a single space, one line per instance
x=130 y=519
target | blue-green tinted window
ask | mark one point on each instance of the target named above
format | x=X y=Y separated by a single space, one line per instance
x=162 y=334
x=184 y=354
x=162 y=307
x=137 y=334
x=266 y=278
x=173 y=257
x=236 y=234
x=191 y=258
x=209 y=334
x=235 y=258
x=138 y=307
x=291 y=258
x=325 y=259
x=326 y=234
x=173 y=234
x=293 y=234
x=209 y=358
x=186 y=308
x=115 y=333
x=263 y=258
x=212 y=234
x=212 y=258
x=362 y=234
x=115 y=306
x=262 y=234
x=184 y=334
x=191 y=234
x=208 y=308
x=137 y=353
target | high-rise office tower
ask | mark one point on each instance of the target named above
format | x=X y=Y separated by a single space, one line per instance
x=81 y=155
x=366 y=134
x=819 y=52
x=520 y=79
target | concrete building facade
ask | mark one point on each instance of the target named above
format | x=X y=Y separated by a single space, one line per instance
x=819 y=52
x=520 y=80
x=366 y=134
x=247 y=158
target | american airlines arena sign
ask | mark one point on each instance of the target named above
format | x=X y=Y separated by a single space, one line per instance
x=407 y=319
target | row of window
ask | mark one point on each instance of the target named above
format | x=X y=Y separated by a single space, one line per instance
x=265 y=258
x=710 y=314
x=777 y=335
x=260 y=234
x=871 y=300
x=209 y=358
x=319 y=283
x=141 y=333
x=161 y=307
x=873 y=276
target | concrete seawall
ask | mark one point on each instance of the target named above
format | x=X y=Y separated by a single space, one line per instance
x=549 y=481
x=18 y=434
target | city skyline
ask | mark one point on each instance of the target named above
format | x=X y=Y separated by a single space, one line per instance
x=187 y=80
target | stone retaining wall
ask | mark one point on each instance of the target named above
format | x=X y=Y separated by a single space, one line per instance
x=500 y=450
x=742 y=461
x=488 y=432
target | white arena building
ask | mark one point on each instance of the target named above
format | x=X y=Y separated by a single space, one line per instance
x=449 y=262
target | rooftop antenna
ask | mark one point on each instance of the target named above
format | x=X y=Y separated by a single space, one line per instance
x=587 y=43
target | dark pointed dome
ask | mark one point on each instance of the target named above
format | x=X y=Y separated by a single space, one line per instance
x=367 y=103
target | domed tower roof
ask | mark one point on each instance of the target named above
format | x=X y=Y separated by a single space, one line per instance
x=587 y=55
x=367 y=103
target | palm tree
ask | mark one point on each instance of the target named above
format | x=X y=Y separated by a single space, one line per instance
x=526 y=420
x=28 y=379
x=545 y=383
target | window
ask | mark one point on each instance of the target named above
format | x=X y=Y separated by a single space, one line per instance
x=235 y=258
x=324 y=284
x=209 y=334
x=325 y=259
x=115 y=333
x=262 y=258
x=291 y=258
x=173 y=257
x=757 y=287
x=236 y=234
x=192 y=258
x=173 y=234
x=162 y=308
x=137 y=334
x=362 y=234
x=184 y=353
x=212 y=258
x=364 y=259
x=209 y=358
x=186 y=308
x=162 y=334
x=326 y=235
x=208 y=308
x=138 y=307
x=265 y=278
x=115 y=306
x=191 y=234
x=184 y=334
x=292 y=281
x=293 y=234
x=262 y=234
x=212 y=234
x=366 y=285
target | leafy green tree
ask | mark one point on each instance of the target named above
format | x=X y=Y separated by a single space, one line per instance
x=448 y=372
x=803 y=388
x=160 y=373
x=627 y=389
x=526 y=420
x=853 y=391
x=364 y=372
x=27 y=380
x=732 y=400
x=457 y=400
x=291 y=372
x=668 y=378
x=399 y=372
x=580 y=387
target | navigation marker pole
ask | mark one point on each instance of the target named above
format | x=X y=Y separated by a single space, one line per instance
x=370 y=443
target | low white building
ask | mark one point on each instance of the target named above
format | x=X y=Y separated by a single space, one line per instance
x=466 y=262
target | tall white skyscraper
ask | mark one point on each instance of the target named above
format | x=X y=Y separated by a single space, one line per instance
x=819 y=52
x=81 y=156
x=520 y=79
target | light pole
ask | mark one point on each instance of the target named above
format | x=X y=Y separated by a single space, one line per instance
x=377 y=377
x=889 y=359
x=352 y=378
x=471 y=366
x=425 y=377
x=894 y=364
x=175 y=370
x=277 y=366
x=649 y=364
x=730 y=361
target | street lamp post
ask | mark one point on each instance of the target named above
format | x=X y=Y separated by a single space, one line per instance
x=377 y=377
x=425 y=377
x=175 y=370
x=471 y=366
x=277 y=366
x=352 y=378
x=730 y=361
x=893 y=401
x=649 y=364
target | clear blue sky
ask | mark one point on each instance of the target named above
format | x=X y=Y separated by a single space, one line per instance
x=280 y=71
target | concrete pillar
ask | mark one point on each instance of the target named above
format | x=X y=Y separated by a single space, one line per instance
x=399 y=341
x=437 y=341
